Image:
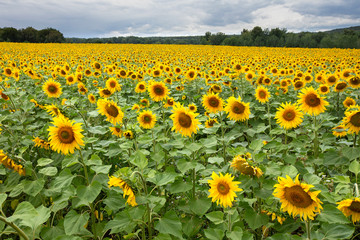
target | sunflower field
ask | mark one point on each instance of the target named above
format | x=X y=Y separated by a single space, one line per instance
x=103 y=141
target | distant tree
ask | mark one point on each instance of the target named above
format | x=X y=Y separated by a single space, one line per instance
x=51 y=35
x=10 y=34
x=217 y=39
x=29 y=34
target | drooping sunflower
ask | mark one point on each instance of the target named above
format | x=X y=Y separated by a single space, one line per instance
x=212 y=103
x=158 y=91
x=128 y=134
x=184 y=121
x=351 y=121
x=116 y=131
x=288 y=116
x=91 y=98
x=240 y=164
x=53 y=110
x=147 y=119
x=222 y=189
x=113 y=85
x=339 y=131
x=348 y=102
x=310 y=101
x=111 y=110
x=350 y=207
x=210 y=122
x=323 y=89
x=297 y=199
x=135 y=107
x=140 y=87
x=117 y=182
x=237 y=110
x=262 y=94
x=65 y=136
x=52 y=88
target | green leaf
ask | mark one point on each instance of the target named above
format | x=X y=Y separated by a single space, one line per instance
x=62 y=181
x=351 y=153
x=164 y=178
x=104 y=169
x=330 y=214
x=311 y=179
x=94 y=160
x=255 y=220
x=69 y=161
x=289 y=170
x=216 y=217
x=74 y=223
x=193 y=147
x=235 y=234
x=139 y=159
x=44 y=161
x=170 y=224
x=98 y=130
x=180 y=186
x=3 y=197
x=121 y=222
x=49 y=171
x=217 y=160
x=214 y=233
x=32 y=188
x=333 y=157
x=354 y=167
x=256 y=145
x=87 y=194
x=113 y=150
x=192 y=226
x=337 y=231
x=183 y=165
x=200 y=206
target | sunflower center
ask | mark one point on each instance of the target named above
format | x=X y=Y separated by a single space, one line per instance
x=289 y=115
x=191 y=74
x=142 y=87
x=355 y=206
x=331 y=79
x=298 y=197
x=112 y=110
x=8 y=71
x=184 y=120
x=238 y=108
x=66 y=135
x=159 y=91
x=346 y=74
x=223 y=188
x=52 y=89
x=112 y=84
x=323 y=89
x=106 y=92
x=355 y=81
x=341 y=86
x=262 y=94
x=355 y=119
x=312 y=100
x=214 y=102
x=298 y=84
x=147 y=119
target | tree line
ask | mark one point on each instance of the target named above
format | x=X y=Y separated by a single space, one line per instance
x=31 y=35
x=276 y=37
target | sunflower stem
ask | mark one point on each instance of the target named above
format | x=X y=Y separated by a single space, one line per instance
x=222 y=136
x=316 y=141
x=229 y=221
x=308 y=230
x=354 y=145
x=356 y=189
x=242 y=87
x=15 y=227
x=85 y=169
x=193 y=171
x=268 y=112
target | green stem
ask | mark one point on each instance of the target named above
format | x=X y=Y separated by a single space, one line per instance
x=222 y=136
x=229 y=222
x=356 y=189
x=308 y=230
x=193 y=171
x=16 y=228
x=316 y=141
x=354 y=145
x=85 y=168
x=268 y=112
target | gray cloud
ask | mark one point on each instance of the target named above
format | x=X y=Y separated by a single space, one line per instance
x=105 y=18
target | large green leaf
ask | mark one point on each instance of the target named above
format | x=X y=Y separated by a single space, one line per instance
x=255 y=220
x=337 y=231
x=214 y=233
x=170 y=224
x=74 y=223
x=87 y=194
x=351 y=153
x=33 y=187
x=139 y=159
x=330 y=214
x=216 y=217
x=354 y=167
x=200 y=206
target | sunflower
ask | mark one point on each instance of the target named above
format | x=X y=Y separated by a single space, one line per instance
x=116 y=131
x=237 y=110
x=222 y=189
x=262 y=94
x=288 y=116
x=9 y=163
x=135 y=107
x=339 y=131
x=184 y=120
x=53 y=110
x=113 y=85
x=348 y=102
x=299 y=84
x=65 y=136
x=354 y=82
x=82 y=89
x=350 y=207
x=323 y=89
x=210 y=122
x=212 y=103
x=215 y=88
x=240 y=164
x=111 y=110
x=117 y=182
x=340 y=86
x=70 y=79
x=41 y=143
x=105 y=92
x=144 y=103
x=157 y=72
x=8 y=72
x=128 y=134
x=346 y=73
x=158 y=91
x=147 y=119
x=140 y=87
x=169 y=102
x=351 y=121
x=91 y=98
x=310 y=101
x=331 y=79
x=52 y=88
x=296 y=198
x=191 y=74
x=192 y=107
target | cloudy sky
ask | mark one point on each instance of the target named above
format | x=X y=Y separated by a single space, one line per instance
x=109 y=18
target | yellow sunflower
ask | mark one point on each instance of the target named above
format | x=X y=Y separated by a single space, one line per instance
x=105 y=92
x=212 y=103
x=111 y=110
x=82 y=89
x=192 y=107
x=147 y=119
x=340 y=86
x=310 y=101
x=169 y=102
x=354 y=82
x=323 y=89
x=297 y=199
x=113 y=85
x=210 y=122
x=184 y=121
x=116 y=131
x=222 y=189
x=135 y=107
x=350 y=207
x=53 y=110
x=240 y=164
x=262 y=94
x=91 y=98
x=128 y=134
x=191 y=74
x=237 y=110
x=140 y=87
x=351 y=121
x=348 y=102
x=117 y=182
x=65 y=136
x=331 y=79
x=52 y=88
x=158 y=91
x=339 y=131
x=70 y=80
x=288 y=116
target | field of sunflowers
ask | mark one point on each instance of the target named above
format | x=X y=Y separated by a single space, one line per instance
x=103 y=141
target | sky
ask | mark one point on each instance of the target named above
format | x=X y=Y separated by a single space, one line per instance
x=143 y=18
